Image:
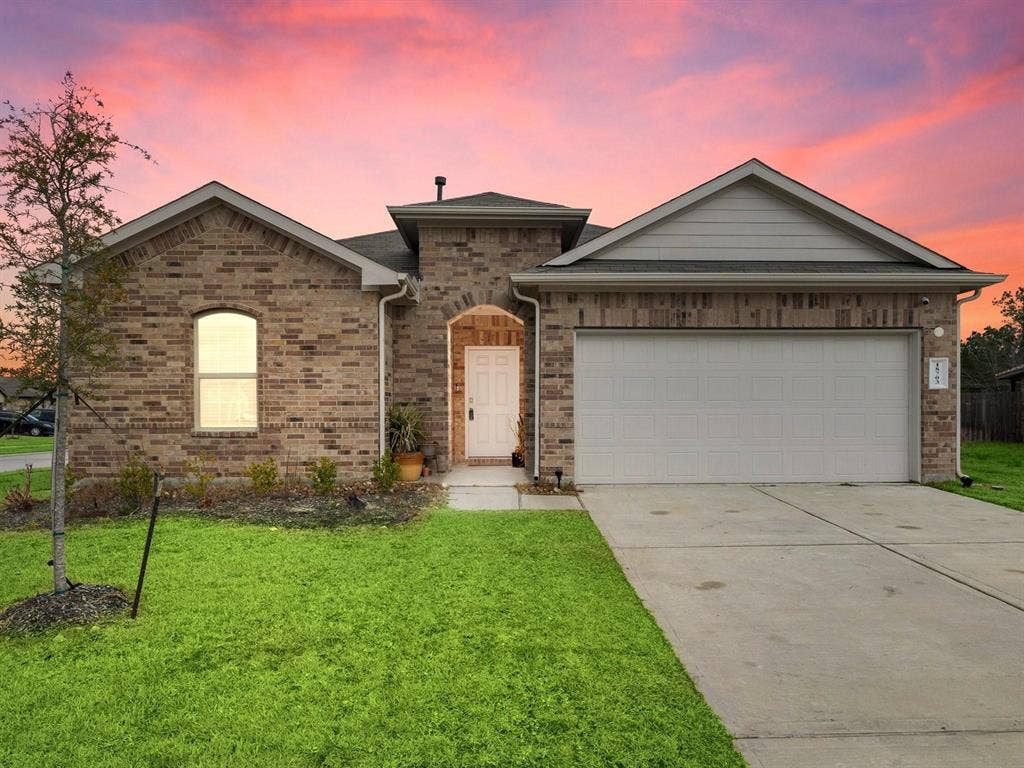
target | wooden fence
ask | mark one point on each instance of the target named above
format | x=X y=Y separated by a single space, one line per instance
x=991 y=416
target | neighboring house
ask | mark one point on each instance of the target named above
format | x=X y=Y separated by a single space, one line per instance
x=16 y=396
x=748 y=330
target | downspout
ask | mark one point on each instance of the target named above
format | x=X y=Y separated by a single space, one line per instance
x=965 y=480
x=382 y=436
x=536 y=379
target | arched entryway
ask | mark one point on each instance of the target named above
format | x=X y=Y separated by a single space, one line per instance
x=487 y=374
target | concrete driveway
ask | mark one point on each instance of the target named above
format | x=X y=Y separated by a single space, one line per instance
x=867 y=626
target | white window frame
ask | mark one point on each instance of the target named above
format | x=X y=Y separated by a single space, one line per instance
x=198 y=377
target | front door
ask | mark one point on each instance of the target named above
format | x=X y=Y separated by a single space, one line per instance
x=492 y=401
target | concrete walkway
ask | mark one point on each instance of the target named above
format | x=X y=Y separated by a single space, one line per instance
x=17 y=461
x=493 y=488
x=829 y=626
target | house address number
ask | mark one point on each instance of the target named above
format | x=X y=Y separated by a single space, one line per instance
x=938 y=373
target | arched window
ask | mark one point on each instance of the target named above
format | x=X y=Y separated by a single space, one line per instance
x=225 y=371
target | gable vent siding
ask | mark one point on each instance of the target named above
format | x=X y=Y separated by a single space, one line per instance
x=745 y=223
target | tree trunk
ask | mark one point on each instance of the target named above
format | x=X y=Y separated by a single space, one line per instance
x=58 y=495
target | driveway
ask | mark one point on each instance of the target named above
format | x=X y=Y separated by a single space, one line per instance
x=829 y=625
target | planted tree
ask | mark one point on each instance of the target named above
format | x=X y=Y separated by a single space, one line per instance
x=55 y=173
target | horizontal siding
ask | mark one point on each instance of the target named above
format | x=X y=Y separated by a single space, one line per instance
x=744 y=223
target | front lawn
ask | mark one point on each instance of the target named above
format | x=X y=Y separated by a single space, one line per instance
x=460 y=639
x=10 y=444
x=40 y=482
x=992 y=464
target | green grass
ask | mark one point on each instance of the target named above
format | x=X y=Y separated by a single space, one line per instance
x=462 y=639
x=40 y=482
x=11 y=444
x=992 y=464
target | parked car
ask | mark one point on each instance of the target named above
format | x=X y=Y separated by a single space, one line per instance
x=29 y=425
x=48 y=415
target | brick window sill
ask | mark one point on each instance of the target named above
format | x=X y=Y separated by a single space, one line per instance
x=235 y=433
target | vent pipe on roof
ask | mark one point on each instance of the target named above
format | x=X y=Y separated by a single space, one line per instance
x=440 y=181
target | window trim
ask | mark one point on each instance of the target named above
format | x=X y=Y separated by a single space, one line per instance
x=197 y=377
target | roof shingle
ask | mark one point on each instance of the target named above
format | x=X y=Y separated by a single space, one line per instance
x=487 y=200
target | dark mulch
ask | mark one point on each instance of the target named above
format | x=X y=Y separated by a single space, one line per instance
x=547 y=489
x=83 y=604
x=297 y=507
x=294 y=505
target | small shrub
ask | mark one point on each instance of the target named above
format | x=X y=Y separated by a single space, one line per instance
x=19 y=499
x=134 y=483
x=264 y=476
x=323 y=474
x=385 y=471
x=198 y=478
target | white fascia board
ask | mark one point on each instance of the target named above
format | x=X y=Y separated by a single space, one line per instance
x=209 y=195
x=756 y=169
x=820 y=281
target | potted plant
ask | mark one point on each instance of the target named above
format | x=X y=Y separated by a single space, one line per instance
x=405 y=434
x=519 y=454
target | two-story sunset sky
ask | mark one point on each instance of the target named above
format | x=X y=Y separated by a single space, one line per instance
x=911 y=113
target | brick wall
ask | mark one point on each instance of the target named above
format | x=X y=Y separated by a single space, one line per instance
x=562 y=313
x=317 y=348
x=479 y=331
x=462 y=267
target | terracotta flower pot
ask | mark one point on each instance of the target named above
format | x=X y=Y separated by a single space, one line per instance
x=410 y=465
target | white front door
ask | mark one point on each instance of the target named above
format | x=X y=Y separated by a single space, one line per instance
x=492 y=401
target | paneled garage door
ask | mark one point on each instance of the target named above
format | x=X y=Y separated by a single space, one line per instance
x=719 y=407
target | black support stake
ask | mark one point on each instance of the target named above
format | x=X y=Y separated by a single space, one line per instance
x=158 y=480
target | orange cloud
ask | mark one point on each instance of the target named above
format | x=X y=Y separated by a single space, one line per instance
x=996 y=246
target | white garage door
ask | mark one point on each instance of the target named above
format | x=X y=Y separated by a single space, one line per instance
x=714 y=407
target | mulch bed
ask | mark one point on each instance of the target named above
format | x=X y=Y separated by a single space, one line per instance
x=294 y=506
x=547 y=489
x=297 y=507
x=82 y=604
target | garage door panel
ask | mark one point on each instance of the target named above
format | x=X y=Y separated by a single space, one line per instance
x=767 y=388
x=723 y=389
x=770 y=406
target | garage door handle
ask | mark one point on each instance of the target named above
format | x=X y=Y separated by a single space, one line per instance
x=470 y=414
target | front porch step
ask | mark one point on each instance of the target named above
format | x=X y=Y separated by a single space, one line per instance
x=497 y=461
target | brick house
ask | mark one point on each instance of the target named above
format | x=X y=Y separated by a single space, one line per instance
x=749 y=330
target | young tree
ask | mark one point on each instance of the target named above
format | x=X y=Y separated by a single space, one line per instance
x=55 y=171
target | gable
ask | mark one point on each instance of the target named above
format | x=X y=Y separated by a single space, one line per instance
x=224 y=232
x=745 y=222
x=745 y=183
x=275 y=228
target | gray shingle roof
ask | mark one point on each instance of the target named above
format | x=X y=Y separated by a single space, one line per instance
x=622 y=266
x=10 y=387
x=1017 y=372
x=389 y=250
x=386 y=248
x=590 y=231
x=488 y=200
